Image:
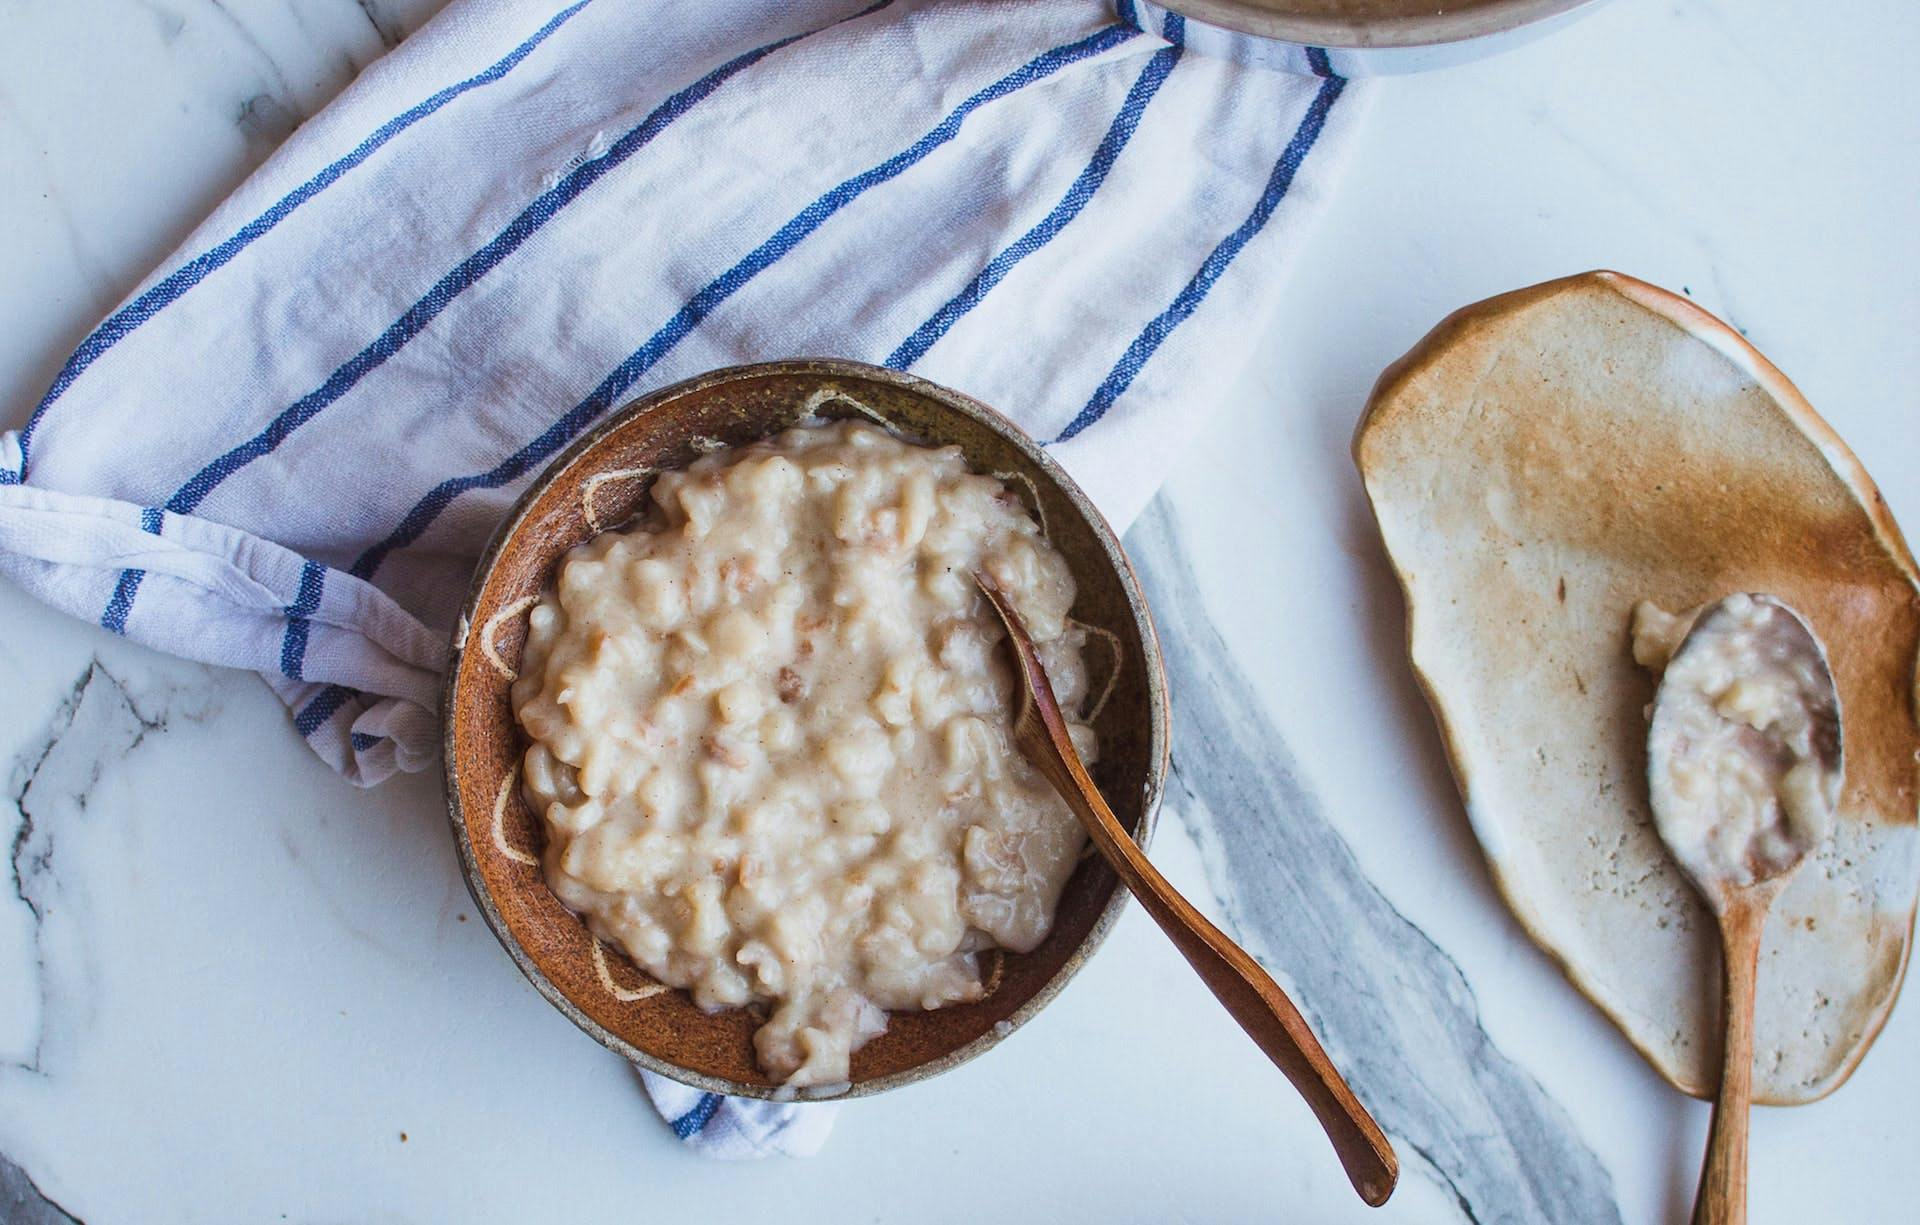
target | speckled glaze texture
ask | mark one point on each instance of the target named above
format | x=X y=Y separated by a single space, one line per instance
x=1539 y=463
x=602 y=481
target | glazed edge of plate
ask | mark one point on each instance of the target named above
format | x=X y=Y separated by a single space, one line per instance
x=1704 y=326
x=1159 y=720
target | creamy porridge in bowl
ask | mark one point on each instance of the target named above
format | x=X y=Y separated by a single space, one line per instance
x=729 y=740
x=771 y=736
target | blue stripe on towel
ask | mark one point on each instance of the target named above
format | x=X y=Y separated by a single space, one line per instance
x=361 y=742
x=466 y=273
x=1318 y=61
x=717 y=291
x=314 y=715
x=152 y=520
x=693 y=1120
x=123 y=321
x=410 y=324
x=293 y=647
x=120 y=603
x=1119 y=132
x=1195 y=291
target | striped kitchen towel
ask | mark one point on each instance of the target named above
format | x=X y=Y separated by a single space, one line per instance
x=286 y=450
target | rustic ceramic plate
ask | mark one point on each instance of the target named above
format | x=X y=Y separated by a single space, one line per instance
x=1539 y=463
x=603 y=480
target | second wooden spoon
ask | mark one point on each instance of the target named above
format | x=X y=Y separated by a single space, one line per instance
x=1746 y=695
x=1236 y=979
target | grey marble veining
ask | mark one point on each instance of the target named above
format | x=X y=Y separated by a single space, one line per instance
x=390 y=29
x=101 y=720
x=23 y=1203
x=241 y=31
x=1393 y=1009
x=50 y=784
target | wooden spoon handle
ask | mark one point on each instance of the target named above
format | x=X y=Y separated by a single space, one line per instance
x=1722 y=1197
x=1238 y=982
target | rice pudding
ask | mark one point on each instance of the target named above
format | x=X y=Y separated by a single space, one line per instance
x=1746 y=754
x=771 y=736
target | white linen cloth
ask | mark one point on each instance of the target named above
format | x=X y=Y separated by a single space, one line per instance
x=286 y=450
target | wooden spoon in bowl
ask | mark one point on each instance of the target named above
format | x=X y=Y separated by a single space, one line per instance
x=1236 y=979
x=1743 y=767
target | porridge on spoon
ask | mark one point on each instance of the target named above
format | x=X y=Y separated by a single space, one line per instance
x=1746 y=746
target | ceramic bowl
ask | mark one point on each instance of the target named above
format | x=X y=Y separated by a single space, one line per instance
x=603 y=480
x=1363 y=38
x=1373 y=23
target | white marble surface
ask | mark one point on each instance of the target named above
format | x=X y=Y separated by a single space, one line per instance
x=230 y=984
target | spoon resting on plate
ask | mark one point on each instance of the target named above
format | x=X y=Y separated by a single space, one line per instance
x=1743 y=767
x=1236 y=979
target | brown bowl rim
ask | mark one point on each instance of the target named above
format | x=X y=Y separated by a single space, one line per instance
x=948 y=399
x=1408 y=30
